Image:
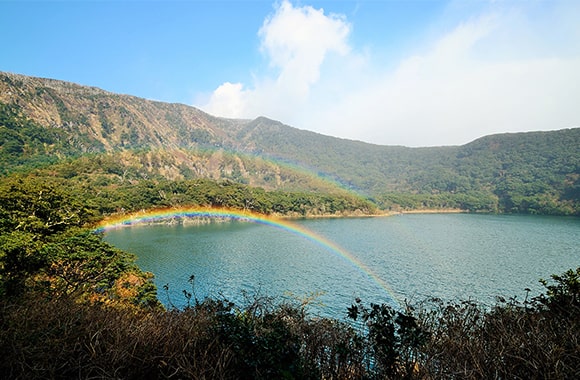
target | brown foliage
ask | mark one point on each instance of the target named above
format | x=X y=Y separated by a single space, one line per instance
x=58 y=338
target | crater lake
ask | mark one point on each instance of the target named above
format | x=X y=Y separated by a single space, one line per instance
x=377 y=259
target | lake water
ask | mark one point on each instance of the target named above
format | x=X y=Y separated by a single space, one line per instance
x=380 y=260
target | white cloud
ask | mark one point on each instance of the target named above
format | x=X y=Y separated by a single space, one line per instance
x=296 y=41
x=498 y=71
x=228 y=100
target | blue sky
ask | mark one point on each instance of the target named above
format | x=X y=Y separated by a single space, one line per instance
x=393 y=72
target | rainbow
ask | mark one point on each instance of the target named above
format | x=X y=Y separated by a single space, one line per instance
x=158 y=215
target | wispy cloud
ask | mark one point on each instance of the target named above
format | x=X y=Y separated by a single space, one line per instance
x=502 y=69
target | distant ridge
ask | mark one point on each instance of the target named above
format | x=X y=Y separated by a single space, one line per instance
x=514 y=171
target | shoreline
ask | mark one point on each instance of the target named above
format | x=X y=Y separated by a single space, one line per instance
x=203 y=219
x=380 y=214
x=434 y=211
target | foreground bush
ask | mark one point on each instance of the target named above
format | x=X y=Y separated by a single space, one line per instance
x=211 y=340
x=539 y=338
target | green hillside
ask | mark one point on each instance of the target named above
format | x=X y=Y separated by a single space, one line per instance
x=45 y=121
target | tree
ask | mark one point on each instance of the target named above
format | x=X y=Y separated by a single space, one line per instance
x=46 y=246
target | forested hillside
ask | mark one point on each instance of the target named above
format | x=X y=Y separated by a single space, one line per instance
x=44 y=121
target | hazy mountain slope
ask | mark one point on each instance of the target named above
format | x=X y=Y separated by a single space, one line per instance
x=516 y=172
x=45 y=120
x=107 y=121
x=95 y=121
x=524 y=165
x=365 y=167
x=521 y=170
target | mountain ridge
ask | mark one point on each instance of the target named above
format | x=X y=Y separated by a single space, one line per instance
x=182 y=141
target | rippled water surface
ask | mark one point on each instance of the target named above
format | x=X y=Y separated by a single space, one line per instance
x=452 y=256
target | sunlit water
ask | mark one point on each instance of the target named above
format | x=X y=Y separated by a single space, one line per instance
x=451 y=256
